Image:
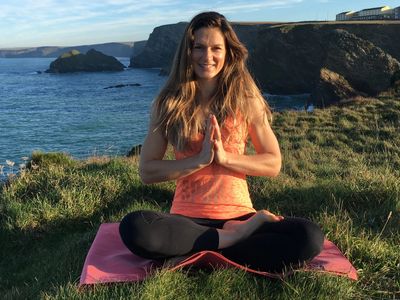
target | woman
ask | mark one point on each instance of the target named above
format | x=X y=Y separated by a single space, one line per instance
x=208 y=108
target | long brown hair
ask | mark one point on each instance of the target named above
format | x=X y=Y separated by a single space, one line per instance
x=176 y=108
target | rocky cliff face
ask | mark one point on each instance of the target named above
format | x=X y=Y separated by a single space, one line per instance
x=137 y=48
x=160 y=47
x=288 y=58
x=331 y=88
x=164 y=40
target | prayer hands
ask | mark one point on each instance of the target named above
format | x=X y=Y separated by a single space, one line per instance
x=219 y=151
x=207 y=152
x=213 y=148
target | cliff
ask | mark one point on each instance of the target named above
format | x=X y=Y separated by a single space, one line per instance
x=288 y=58
x=113 y=49
x=137 y=47
x=160 y=48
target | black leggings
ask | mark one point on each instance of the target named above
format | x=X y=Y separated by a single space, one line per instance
x=271 y=247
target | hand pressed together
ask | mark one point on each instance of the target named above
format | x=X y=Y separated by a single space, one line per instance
x=212 y=148
x=206 y=155
x=219 y=151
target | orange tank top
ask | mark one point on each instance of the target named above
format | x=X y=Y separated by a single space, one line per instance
x=214 y=192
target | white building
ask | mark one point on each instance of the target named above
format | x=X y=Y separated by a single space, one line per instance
x=397 y=13
x=344 y=16
x=375 y=13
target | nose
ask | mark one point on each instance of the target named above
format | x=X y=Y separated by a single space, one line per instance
x=207 y=53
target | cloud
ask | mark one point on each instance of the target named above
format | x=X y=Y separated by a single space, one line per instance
x=49 y=21
x=244 y=6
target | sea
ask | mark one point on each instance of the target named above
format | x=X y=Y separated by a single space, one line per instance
x=81 y=114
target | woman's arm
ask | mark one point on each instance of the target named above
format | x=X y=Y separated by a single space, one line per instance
x=266 y=161
x=152 y=167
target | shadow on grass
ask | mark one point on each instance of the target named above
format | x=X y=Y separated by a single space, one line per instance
x=39 y=259
x=368 y=207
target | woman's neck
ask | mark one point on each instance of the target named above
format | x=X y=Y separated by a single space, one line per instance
x=206 y=90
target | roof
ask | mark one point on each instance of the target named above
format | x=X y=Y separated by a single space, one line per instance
x=374 y=8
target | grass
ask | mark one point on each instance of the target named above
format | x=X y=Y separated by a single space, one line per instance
x=341 y=169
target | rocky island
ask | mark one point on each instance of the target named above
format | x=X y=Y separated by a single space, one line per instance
x=331 y=61
x=92 y=61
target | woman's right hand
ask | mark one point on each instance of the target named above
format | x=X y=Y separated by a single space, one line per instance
x=206 y=155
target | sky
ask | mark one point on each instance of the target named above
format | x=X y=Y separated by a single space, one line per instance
x=33 y=23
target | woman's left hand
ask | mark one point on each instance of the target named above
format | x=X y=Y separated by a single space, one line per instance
x=220 y=156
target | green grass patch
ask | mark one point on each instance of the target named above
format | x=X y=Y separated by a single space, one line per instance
x=341 y=168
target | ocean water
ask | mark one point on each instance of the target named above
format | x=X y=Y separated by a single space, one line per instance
x=75 y=114
x=71 y=113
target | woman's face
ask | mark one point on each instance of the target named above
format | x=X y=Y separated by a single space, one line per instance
x=208 y=53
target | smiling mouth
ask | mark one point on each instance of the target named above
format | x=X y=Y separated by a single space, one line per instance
x=207 y=66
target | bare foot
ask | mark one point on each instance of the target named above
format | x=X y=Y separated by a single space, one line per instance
x=260 y=217
x=269 y=216
x=234 y=231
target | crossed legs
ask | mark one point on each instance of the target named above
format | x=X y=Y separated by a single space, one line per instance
x=256 y=242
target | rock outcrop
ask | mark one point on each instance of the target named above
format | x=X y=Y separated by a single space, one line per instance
x=366 y=67
x=137 y=48
x=395 y=89
x=288 y=58
x=92 y=61
x=122 y=85
x=135 y=151
x=331 y=88
x=160 y=47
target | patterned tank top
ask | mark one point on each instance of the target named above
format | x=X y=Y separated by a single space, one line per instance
x=214 y=192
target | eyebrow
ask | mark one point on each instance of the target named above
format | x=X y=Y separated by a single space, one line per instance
x=201 y=44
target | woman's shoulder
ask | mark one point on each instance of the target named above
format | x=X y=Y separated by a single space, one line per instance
x=253 y=109
x=257 y=107
x=256 y=102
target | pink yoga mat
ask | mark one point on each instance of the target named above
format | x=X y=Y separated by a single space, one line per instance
x=109 y=260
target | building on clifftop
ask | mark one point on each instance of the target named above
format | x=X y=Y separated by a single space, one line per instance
x=397 y=13
x=344 y=16
x=375 y=13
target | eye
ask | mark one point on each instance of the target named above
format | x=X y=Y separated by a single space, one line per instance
x=217 y=48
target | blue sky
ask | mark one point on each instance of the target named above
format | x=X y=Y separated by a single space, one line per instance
x=30 y=23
